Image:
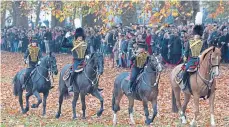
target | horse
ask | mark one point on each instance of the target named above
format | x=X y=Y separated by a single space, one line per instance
x=85 y=82
x=39 y=82
x=202 y=83
x=146 y=90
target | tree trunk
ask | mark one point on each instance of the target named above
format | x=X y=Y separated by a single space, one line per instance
x=129 y=15
x=55 y=22
x=3 y=18
x=196 y=8
x=38 y=10
x=20 y=17
x=74 y=16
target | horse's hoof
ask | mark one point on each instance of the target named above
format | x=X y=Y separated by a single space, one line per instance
x=57 y=115
x=33 y=106
x=148 y=121
x=193 y=124
x=74 y=118
x=99 y=113
x=25 y=110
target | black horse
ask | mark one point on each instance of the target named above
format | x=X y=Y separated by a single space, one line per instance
x=85 y=82
x=146 y=89
x=38 y=83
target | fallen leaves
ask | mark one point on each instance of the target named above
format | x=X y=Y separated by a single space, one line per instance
x=12 y=116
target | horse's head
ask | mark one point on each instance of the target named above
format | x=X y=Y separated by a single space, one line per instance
x=214 y=60
x=96 y=60
x=155 y=62
x=50 y=62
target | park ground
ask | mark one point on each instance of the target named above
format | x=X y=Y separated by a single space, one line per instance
x=12 y=116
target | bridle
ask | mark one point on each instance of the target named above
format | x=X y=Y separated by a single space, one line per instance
x=49 y=69
x=210 y=73
x=95 y=72
x=153 y=71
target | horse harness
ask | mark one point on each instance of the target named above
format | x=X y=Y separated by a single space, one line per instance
x=49 y=73
x=206 y=81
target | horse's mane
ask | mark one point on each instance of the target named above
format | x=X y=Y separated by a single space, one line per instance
x=205 y=52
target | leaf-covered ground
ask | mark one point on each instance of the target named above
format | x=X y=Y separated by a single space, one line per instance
x=12 y=116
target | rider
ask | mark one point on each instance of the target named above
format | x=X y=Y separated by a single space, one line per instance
x=31 y=57
x=192 y=51
x=78 y=48
x=139 y=61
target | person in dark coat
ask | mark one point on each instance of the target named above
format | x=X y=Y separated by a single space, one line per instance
x=164 y=51
x=47 y=40
x=223 y=44
x=176 y=48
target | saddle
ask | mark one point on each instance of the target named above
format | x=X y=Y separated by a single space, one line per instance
x=68 y=72
x=137 y=79
x=184 y=76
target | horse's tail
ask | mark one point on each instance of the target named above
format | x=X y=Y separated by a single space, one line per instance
x=16 y=85
x=174 y=105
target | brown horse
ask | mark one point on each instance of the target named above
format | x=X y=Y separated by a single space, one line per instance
x=202 y=83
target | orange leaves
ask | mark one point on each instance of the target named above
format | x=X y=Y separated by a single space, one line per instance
x=11 y=114
x=219 y=10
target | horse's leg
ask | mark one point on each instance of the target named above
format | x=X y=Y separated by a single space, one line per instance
x=21 y=101
x=145 y=105
x=177 y=91
x=186 y=101
x=45 y=95
x=76 y=96
x=196 y=103
x=39 y=100
x=115 y=103
x=131 y=105
x=27 y=101
x=211 y=104
x=61 y=98
x=154 y=106
x=82 y=97
x=98 y=95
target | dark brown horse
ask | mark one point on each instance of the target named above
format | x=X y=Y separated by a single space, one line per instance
x=202 y=83
x=146 y=90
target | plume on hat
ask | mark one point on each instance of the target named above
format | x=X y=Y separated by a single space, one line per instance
x=199 y=18
x=198 y=28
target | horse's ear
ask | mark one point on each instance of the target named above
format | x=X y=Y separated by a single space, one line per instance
x=213 y=49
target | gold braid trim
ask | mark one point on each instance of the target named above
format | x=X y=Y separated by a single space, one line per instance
x=141 y=59
x=33 y=53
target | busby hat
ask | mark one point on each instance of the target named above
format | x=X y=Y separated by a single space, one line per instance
x=79 y=33
x=34 y=40
x=198 y=28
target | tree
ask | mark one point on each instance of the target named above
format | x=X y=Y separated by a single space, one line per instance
x=20 y=12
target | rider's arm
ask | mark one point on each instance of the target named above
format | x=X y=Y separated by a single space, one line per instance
x=66 y=43
x=26 y=54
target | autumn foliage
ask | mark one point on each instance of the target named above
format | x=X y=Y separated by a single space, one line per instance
x=12 y=116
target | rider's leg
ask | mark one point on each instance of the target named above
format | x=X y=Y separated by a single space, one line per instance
x=27 y=77
x=133 y=76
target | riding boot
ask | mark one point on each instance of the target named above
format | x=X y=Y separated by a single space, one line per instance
x=185 y=74
x=130 y=90
x=27 y=76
